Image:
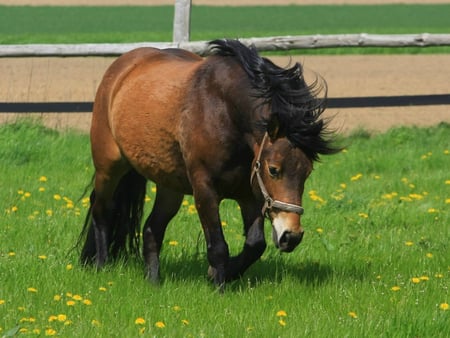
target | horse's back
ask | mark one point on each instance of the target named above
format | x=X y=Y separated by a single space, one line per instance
x=137 y=110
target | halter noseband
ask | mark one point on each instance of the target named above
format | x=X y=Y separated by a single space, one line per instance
x=269 y=201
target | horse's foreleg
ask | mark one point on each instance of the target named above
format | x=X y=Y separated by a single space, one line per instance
x=255 y=242
x=167 y=203
x=207 y=205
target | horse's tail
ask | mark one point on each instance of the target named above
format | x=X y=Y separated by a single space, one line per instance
x=124 y=220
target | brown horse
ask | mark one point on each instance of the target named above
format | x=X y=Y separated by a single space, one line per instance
x=233 y=125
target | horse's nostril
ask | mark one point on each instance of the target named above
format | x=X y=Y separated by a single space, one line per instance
x=289 y=240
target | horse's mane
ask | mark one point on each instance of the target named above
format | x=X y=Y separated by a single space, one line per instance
x=295 y=104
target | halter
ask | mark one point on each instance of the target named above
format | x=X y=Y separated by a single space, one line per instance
x=269 y=201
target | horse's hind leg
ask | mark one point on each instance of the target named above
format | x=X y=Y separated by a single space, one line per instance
x=167 y=203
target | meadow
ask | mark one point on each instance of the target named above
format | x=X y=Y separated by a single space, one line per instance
x=44 y=24
x=374 y=260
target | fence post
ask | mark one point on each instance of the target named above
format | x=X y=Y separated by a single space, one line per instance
x=182 y=21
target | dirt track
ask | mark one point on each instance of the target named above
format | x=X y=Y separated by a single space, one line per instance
x=76 y=79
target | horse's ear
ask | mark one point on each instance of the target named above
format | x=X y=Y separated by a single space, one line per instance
x=273 y=127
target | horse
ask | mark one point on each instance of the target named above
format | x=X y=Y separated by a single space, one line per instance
x=232 y=125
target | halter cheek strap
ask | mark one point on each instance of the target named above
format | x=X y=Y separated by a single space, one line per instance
x=269 y=201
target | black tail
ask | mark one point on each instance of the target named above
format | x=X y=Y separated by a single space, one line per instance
x=125 y=220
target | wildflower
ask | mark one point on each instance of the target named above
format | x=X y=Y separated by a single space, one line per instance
x=176 y=308
x=139 y=321
x=363 y=215
x=429 y=255
x=433 y=210
x=69 y=267
x=42 y=179
x=57 y=197
x=185 y=322
x=319 y=231
x=353 y=314
x=447 y=201
x=160 y=325
x=70 y=303
x=31 y=289
x=52 y=318
x=11 y=254
x=415 y=280
x=147 y=199
x=443 y=306
x=57 y=298
x=173 y=243
x=356 y=177
x=153 y=189
x=102 y=288
x=42 y=257
x=49 y=212
x=50 y=332
x=424 y=278
x=192 y=209
x=77 y=297
x=281 y=313
x=2 y=301
x=282 y=322
x=395 y=288
x=409 y=243
x=14 y=208
x=439 y=275
x=41 y=189
x=87 y=302
x=224 y=224
x=447 y=182
x=95 y=322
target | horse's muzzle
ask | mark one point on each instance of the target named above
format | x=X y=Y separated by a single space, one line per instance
x=288 y=241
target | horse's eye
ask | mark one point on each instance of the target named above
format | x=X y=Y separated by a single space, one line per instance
x=274 y=172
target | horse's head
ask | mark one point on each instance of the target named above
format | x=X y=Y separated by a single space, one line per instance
x=279 y=174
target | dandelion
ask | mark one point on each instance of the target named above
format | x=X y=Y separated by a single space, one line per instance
x=447 y=182
x=443 y=306
x=2 y=301
x=433 y=210
x=192 y=209
x=52 y=318
x=14 y=209
x=87 y=302
x=176 y=308
x=223 y=223
x=353 y=314
x=160 y=325
x=429 y=255
x=356 y=177
x=185 y=322
x=11 y=254
x=69 y=267
x=424 y=278
x=57 y=197
x=447 y=201
x=49 y=212
x=281 y=313
x=32 y=290
x=70 y=303
x=77 y=297
x=409 y=243
x=319 y=231
x=282 y=322
x=439 y=275
x=41 y=189
x=147 y=199
x=50 y=332
x=42 y=257
x=139 y=321
x=415 y=280
x=173 y=243
x=95 y=322
x=42 y=179
x=102 y=288
x=395 y=288
x=153 y=189
x=363 y=215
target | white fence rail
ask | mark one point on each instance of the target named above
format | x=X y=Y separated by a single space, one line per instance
x=262 y=44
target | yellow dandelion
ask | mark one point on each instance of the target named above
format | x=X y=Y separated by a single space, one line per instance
x=439 y=275
x=139 y=321
x=69 y=267
x=176 y=308
x=443 y=306
x=173 y=243
x=57 y=298
x=395 y=288
x=343 y=185
x=32 y=290
x=147 y=199
x=424 y=278
x=42 y=179
x=52 y=318
x=36 y=331
x=87 y=302
x=77 y=297
x=153 y=189
x=42 y=257
x=356 y=177
x=95 y=322
x=49 y=212
x=281 y=313
x=433 y=210
x=68 y=322
x=185 y=203
x=319 y=230
x=14 y=208
x=447 y=201
x=102 y=288
x=160 y=325
x=50 y=332
x=363 y=215
x=282 y=322
x=11 y=254
x=447 y=182
x=41 y=189
x=57 y=197
x=20 y=192
x=353 y=314
x=70 y=303
x=62 y=318
x=429 y=255
x=224 y=224
x=192 y=209
x=409 y=243
x=415 y=280
x=185 y=322
x=2 y=301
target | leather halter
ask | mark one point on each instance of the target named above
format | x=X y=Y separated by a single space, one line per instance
x=269 y=201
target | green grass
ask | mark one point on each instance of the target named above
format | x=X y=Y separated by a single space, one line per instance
x=136 y=24
x=377 y=216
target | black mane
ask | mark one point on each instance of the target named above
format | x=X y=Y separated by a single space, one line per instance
x=295 y=104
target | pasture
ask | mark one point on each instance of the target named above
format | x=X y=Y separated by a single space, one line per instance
x=374 y=260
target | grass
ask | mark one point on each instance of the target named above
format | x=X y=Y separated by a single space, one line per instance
x=136 y=24
x=374 y=260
